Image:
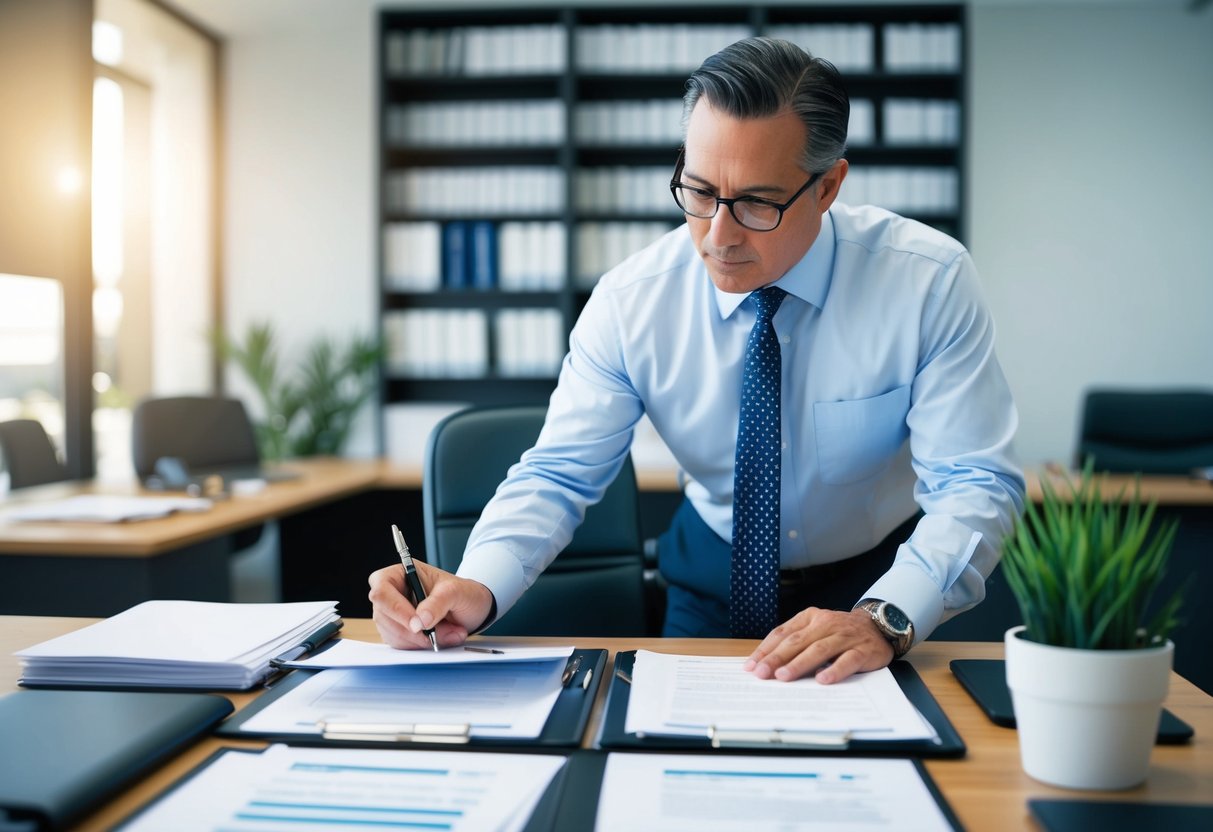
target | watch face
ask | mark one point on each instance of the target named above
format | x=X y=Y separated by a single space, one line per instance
x=896 y=618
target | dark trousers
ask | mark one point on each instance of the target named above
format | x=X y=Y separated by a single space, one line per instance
x=696 y=564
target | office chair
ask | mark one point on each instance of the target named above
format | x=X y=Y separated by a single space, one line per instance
x=29 y=454
x=595 y=587
x=205 y=433
x=1152 y=432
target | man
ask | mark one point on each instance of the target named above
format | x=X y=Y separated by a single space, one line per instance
x=824 y=375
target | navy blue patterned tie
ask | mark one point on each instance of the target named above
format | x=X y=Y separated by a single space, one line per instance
x=754 y=584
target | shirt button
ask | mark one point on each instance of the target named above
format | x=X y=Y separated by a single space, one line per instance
x=783 y=445
x=793 y=534
x=787 y=339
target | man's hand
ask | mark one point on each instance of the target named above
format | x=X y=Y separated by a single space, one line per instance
x=457 y=604
x=848 y=642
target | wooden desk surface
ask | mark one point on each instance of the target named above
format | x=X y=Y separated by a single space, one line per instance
x=323 y=480
x=987 y=789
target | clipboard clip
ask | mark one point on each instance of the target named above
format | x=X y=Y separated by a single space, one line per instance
x=746 y=738
x=453 y=734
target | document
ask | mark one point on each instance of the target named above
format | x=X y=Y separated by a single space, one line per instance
x=178 y=644
x=351 y=653
x=690 y=695
x=287 y=788
x=696 y=793
x=106 y=508
x=510 y=699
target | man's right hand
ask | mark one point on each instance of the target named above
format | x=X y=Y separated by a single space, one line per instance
x=458 y=605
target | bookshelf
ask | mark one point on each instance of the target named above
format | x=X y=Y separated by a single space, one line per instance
x=523 y=152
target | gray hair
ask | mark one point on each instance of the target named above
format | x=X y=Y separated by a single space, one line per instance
x=761 y=77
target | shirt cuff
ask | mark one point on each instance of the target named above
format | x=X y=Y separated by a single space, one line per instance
x=912 y=591
x=499 y=570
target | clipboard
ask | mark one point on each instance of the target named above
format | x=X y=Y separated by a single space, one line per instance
x=947 y=744
x=552 y=806
x=565 y=726
x=571 y=801
x=986 y=681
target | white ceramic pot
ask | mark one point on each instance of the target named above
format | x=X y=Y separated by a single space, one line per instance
x=1087 y=719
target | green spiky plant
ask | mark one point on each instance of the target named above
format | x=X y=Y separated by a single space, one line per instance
x=310 y=411
x=1084 y=570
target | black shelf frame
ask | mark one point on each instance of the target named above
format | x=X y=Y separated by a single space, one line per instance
x=574 y=85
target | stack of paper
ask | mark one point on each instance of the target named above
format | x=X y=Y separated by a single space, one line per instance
x=107 y=508
x=178 y=644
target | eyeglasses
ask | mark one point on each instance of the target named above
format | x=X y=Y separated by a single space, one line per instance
x=750 y=211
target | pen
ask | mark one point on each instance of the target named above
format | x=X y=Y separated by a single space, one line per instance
x=412 y=579
x=570 y=671
x=485 y=650
x=310 y=643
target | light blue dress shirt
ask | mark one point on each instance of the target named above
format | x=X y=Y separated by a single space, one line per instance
x=893 y=401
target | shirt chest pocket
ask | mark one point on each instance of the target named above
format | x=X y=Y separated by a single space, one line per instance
x=858 y=437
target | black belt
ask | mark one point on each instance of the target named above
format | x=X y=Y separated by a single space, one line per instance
x=811 y=574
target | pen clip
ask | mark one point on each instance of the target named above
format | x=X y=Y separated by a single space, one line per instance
x=570 y=671
x=453 y=734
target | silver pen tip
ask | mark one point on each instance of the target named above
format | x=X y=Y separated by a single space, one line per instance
x=398 y=539
x=434 y=642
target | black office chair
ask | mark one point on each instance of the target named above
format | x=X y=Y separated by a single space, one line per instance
x=29 y=455
x=595 y=587
x=1152 y=432
x=204 y=432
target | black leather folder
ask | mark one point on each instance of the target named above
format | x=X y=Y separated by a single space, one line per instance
x=62 y=752
x=947 y=744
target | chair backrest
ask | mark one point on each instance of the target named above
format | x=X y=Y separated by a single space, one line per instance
x=29 y=455
x=595 y=587
x=1154 y=432
x=202 y=431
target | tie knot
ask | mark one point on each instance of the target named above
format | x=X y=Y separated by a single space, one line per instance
x=767 y=300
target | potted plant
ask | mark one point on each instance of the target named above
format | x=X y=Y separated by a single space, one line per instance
x=1089 y=669
x=309 y=411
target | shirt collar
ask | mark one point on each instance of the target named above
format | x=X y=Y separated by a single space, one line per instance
x=808 y=280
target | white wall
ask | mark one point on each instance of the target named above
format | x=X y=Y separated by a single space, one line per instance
x=1091 y=191
x=300 y=181
x=1091 y=202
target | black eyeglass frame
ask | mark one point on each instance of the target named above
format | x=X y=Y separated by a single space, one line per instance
x=676 y=184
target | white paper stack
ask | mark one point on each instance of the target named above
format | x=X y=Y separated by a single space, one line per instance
x=177 y=644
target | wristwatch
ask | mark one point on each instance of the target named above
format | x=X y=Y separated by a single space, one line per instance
x=892 y=623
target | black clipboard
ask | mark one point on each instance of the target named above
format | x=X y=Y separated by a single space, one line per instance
x=564 y=729
x=576 y=790
x=543 y=816
x=948 y=743
x=986 y=681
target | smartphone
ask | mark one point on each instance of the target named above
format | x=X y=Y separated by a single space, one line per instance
x=986 y=681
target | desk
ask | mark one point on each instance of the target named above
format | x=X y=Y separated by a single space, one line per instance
x=103 y=568
x=334 y=523
x=987 y=789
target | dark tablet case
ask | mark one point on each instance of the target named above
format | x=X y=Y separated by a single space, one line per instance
x=986 y=681
x=1118 y=816
x=66 y=751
